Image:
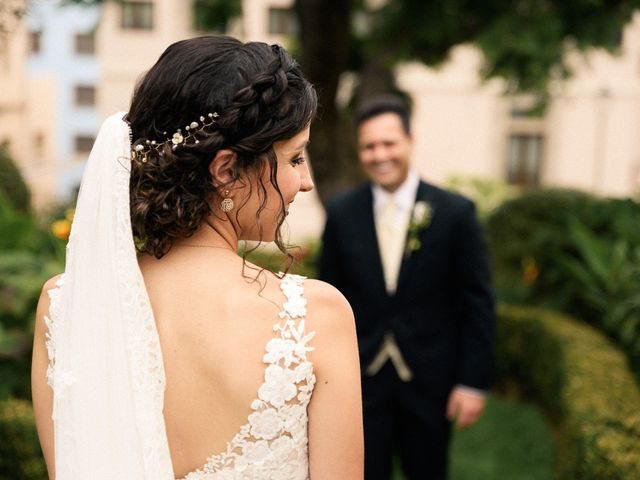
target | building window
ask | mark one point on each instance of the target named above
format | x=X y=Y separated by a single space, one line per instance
x=137 y=15
x=35 y=42
x=85 y=43
x=281 y=21
x=85 y=95
x=525 y=159
x=83 y=143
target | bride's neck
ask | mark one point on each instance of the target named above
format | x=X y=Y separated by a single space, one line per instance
x=213 y=233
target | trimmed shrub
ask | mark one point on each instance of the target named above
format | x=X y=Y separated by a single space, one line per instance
x=20 y=455
x=572 y=252
x=584 y=384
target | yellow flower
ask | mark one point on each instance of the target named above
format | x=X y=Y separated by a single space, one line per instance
x=61 y=228
x=69 y=213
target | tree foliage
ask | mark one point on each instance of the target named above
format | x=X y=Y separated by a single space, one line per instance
x=523 y=41
x=12 y=184
x=215 y=14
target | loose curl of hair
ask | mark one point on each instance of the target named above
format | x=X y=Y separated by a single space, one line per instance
x=261 y=97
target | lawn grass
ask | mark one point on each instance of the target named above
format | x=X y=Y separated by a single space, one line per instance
x=510 y=442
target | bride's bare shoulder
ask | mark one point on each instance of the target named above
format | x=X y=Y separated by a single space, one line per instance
x=43 y=302
x=327 y=308
x=53 y=282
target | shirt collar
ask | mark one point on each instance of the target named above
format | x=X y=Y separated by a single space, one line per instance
x=404 y=196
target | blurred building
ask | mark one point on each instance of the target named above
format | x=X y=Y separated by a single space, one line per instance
x=80 y=64
x=586 y=139
x=64 y=78
x=13 y=95
x=133 y=34
x=48 y=79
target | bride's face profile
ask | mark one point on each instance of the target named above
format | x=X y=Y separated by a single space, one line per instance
x=259 y=204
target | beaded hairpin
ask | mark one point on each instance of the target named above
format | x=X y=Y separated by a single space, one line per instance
x=141 y=151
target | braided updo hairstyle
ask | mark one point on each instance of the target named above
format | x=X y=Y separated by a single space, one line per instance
x=261 y=97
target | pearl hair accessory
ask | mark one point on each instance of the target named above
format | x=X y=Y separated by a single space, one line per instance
x=141 y=151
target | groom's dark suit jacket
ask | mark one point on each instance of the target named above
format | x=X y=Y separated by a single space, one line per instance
x=442 y=313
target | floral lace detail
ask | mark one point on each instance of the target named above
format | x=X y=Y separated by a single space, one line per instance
x=273 y=444
x=57 y=378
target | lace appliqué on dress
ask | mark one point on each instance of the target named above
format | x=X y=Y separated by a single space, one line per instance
x=273 y=444
x=57 y=378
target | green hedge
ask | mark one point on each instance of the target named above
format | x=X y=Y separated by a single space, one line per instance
x=583 y=382
x=20 y=455
x=572 y=252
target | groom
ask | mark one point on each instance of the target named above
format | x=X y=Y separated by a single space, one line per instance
x=412 y=261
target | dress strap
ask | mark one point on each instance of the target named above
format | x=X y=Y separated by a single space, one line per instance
x=291 y=325
x=293 y=288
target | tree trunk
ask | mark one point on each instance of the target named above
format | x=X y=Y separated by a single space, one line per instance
x=376 y=78
x=325 y=45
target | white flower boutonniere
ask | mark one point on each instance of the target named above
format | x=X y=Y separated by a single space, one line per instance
x=420 y=220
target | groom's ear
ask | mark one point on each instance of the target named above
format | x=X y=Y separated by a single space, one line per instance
x=224 y=167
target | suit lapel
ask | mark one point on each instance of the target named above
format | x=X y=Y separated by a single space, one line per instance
x=424 y=194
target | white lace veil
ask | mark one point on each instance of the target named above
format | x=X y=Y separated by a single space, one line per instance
x=106 y=364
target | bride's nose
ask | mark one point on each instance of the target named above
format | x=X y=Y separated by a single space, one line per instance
x=306 y=182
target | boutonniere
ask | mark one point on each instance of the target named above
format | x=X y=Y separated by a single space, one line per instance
x=420 y=220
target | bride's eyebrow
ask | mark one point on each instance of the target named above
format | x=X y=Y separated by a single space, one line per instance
x=294 y=152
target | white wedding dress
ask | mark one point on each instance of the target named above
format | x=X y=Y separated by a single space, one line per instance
x=105 y=361
x=272 y=445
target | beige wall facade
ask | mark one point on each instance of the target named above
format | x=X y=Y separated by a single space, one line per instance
x=26 y=116
x=13 y=101
x=589 y=132
x=126 y=53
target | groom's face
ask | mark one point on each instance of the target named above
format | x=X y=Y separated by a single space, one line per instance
x=385 y=149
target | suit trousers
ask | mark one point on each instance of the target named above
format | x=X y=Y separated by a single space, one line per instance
x=403 y=419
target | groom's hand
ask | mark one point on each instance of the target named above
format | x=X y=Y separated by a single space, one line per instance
x=464 y=407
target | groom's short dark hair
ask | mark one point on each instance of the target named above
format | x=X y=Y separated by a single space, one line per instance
x=383 y=104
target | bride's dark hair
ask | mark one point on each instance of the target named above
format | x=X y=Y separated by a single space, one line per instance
x=261 y=97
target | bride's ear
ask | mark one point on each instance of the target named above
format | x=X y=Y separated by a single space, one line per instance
x=223 y=168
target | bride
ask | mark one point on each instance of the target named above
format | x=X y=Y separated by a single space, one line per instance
x=161 y=353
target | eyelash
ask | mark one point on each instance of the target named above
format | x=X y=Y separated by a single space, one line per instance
x=297 y=161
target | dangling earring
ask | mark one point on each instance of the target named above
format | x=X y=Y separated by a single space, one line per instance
x=227 y=204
